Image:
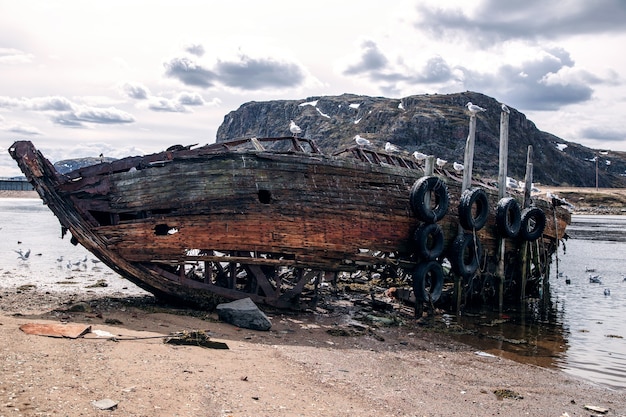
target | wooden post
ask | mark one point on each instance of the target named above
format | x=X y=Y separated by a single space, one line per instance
x=502 y=174
x=468 y=161
x=524 y=252
x=529 y=176
x=429 y=167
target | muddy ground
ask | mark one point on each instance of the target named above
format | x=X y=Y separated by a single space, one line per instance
x=337 y=361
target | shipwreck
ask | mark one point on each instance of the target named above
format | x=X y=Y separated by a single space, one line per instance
x=273 y=218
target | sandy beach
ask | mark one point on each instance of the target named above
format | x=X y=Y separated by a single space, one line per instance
x=308 y=364
x=333 y=361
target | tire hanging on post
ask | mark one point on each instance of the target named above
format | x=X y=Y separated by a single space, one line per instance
x=508 y=217
x=470 y=218
x=422 y=192
x=465 y=254
x=430 y=240
x=428 y=281
x=533 y=223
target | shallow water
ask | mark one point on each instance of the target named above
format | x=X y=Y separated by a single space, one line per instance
x=54 y=263
x=580 y=328
x=577 y=329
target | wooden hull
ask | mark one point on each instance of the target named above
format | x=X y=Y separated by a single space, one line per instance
x=156 y=219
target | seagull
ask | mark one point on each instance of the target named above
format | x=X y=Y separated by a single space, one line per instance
x=441 y=162
x=23 y=256
x=457 y=167
x=595 y=279
x=419 y=156
x=511 y=183
x=294 y=128
x=505 y=108
x=607 y=291
x=361 y=141
x=474 y=108
x=390 y=147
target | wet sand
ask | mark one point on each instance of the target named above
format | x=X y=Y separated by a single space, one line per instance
x=308 y=364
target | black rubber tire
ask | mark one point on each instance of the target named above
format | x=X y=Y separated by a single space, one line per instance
x=420 y=195
x=533 y=221
x=430 y=240
x=465 y=254
x=473 y=197
x=428 y=281
x=508 y=217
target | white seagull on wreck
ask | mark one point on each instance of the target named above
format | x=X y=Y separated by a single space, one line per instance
x=419 y=156
x=441 y=162
x=457 y=167
x=505 y=108
x=473 y=108
x=361 y=141
x=390 y=147
x=295 y=129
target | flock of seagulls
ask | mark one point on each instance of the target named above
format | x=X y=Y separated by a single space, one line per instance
x=419 y=156
x=593 y=279
x=25 y=256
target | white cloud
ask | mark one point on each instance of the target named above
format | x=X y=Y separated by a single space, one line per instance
x=10 y=56
x=95 y=70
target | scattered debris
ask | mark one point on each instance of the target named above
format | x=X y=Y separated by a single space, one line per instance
x=596 y=409
x=100 y=283
x=484 y=354
x=243 y=313
x=194 y=338
x=507 y=393
x=80 y=308
x=69 y=330
x=102 y=333
x=105 y=404
x=26 y=287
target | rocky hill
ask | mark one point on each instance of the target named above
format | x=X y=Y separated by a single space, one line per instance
x=432 y=124
x=68 y=165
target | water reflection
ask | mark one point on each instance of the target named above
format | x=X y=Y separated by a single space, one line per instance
x=578 y=326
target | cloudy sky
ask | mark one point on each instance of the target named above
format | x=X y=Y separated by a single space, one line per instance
x=80 y=78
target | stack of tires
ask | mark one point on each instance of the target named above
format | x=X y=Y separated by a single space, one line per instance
x=466 y=249
x=429 y=201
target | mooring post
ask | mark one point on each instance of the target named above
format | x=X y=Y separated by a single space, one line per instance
x=468 y=162
x=524 y=252
x=502 y=174
x=429 y=167
x=529 y=176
